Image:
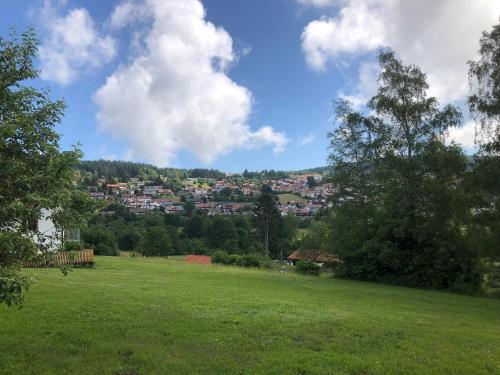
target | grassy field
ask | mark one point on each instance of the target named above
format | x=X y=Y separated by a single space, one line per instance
x=145 y=316
x=287 y=197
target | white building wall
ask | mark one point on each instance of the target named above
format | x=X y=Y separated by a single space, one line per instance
x=47 y=228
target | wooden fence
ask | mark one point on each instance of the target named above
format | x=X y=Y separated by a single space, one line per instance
x=81 y=258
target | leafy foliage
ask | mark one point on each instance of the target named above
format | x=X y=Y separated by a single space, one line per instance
x=484 y=77
x=246 y=260
x=156 y=242
x=307 y=267
x=484 y=180
x=36 y=176
x=400 y=210
x=101 y=239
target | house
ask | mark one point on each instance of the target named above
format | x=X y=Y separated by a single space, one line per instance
x=46 y=231
x=98 y=195
x=232 y=208
x=302 y=212
x=114 y=188
x=317 y=256
x=173 y=209
x=205 y=207
x=151 y=190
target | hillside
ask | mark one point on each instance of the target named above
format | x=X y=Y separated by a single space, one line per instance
x=124 y=170
x=147 y=316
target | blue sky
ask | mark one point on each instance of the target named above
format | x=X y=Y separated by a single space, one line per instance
x=244 y=84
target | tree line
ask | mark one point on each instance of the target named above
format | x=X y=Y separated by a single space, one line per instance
x=410 y=209
x=263 y=231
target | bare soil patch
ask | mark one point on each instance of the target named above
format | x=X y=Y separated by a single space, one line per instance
x=200 y=259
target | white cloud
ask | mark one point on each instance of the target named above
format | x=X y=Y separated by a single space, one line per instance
x=317 y=3
x=71 y=44
x=122 y=14
x=464 y=135
x=366 y=86
x=265 y=136
x=435 y=35
x=308 y=139
x=356 y=30
x=175 y=93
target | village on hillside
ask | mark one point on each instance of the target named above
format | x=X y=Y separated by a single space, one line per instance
x=300 y=195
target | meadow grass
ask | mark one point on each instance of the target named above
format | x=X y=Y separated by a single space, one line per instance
x=287 y=197
x=156 y=316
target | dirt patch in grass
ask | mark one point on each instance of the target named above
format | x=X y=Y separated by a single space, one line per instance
x=200 y=259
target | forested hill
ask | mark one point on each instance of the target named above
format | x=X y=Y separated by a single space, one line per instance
x=320 y=170
x=124 y=170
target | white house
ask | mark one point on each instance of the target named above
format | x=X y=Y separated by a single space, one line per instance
x=46 y=230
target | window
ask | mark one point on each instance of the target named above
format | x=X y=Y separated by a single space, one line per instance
x=72 y=235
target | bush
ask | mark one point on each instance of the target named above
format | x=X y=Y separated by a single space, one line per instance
x=106 y=249
x=221 y=257
x=251 y=260
x=72 y=246
x=247 y=260
x=255 y=260
x=195 y=247
x=101 y=239
x=235 y=259
x=264 y=262
x=307 y=267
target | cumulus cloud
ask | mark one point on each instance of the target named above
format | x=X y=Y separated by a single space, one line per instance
x=355 y=30
x=122 y=14
x=71 y=44
x=463 y=135
x=366 y=86
x=175 y=93
x=435 y=35
x=308 y=139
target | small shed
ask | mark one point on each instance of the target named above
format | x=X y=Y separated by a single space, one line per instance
x=317 y=256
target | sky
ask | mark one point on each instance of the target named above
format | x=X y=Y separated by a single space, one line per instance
x=236 y=84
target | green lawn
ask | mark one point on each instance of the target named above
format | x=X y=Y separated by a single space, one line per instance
x=287 y=197
x=145 y=316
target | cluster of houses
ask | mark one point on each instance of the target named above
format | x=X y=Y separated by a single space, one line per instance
x=140 y=197
x=302 y=210
x=298 y=184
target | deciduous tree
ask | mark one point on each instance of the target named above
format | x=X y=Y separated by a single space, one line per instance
x=34 y=173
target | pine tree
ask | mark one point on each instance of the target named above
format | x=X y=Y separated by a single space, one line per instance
x=267 y=220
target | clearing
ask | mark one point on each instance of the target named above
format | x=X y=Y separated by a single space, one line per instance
x=158 y=316
x=288 y=197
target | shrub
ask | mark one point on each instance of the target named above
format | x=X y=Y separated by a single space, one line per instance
x=72 y=246
x=106 y=249
x=307 y=267
x=255 y=260
x=247 y=260
x=235 y=259
x=221 y=257
x=251 y=260
x=492 y=275
x=101 y=239
x=264 y=262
